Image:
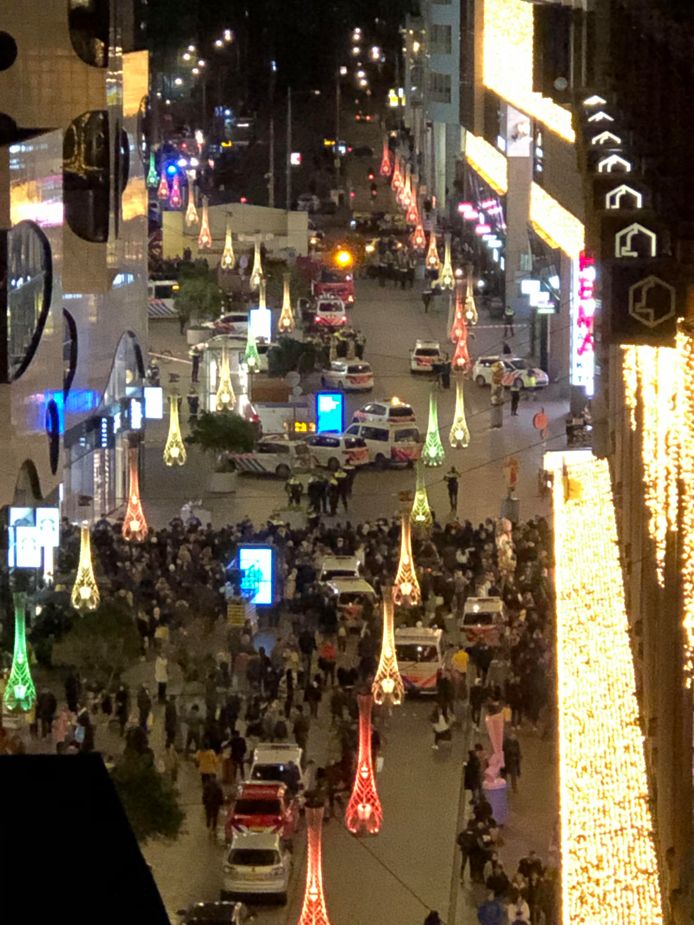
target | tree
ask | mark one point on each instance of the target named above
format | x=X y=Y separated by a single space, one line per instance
x=150 y=800
x=101 y=645
x=222 y=432
x=290 y=355
x=199 y=297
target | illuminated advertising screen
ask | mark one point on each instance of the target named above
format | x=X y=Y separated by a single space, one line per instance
x=154 y=402
x=48 y=525
x=256 y=564
x=330 y=412
x=582 y=370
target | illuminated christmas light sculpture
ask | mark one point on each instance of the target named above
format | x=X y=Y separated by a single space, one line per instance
x=286 y=323
x=152 y=175
x=403 y=196
x=134 y=524
x=175 y=197
x=433 y=452
x=192 y=217
x=313 y=910
x=460 y=433
x=228 y=261
x=406 y=590
x=251 y=357
x=205 y=236
x=364 y=813
x=386 y=163
x=387 y=687
x=257 y=271
x=262 y=303
x=85 y=592
x=446 y=278
x=420 y=515
x=418 y=239
x=460 y=361
x=412 y=214
x=458 y=325
x=174 y=448
x=20 y=693
x=471 y=315
x=224 y=397
x=163 y=189
x=432 y=260
x=396 y=182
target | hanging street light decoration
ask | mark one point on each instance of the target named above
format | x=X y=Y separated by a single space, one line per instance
x=388 y=687
x=418 y=239
x=134 y=524
x=460 y=361
x=262 y=302
x=285 y=324
x=458 y=327
x=224 y=397
x=406 y=194
x=313 y=910
x=174 y=448
x=257 y=271
x=406 y=591
x=163 y=189
x=20 y=693
x=386 y=162
x=446 y=278
x=396 y=181
x=205 y=236
x=420 y=515
x=85 y=592
x=433 y=452
x=251 y=357
x=364 y=813
x=460 y=432
x=192 y=217
x=471 y=315
x=432 y=260
x=412 y=214
x=228 y=261
x=152 y=175
x=176 y=197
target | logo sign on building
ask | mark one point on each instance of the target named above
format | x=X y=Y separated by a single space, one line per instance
x=645 y=297
x=583 y=303
x=260 y=321
x=30 y=531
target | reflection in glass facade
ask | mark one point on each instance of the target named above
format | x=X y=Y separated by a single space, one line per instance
x=29 y=283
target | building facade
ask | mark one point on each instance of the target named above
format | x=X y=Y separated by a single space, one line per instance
x=73 y=212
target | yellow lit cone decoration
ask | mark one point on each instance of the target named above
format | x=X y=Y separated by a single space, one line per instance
x=460 y=433
x=225 y=398
x=174 y=448
x=432 y=259
x=420 y=515
x=134 y=524
x=192 y=217
x=257 y=271
x=262 y=303
x=228 y=261
x=446 y=279
x=471 y=315
x=85 y=593
x=286 y=320
x=386 y=165
x=406 y=590
x=387 y=685
x=205 y=236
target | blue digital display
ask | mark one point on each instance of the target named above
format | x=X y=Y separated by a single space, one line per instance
x=256 y=564
x=330 y=412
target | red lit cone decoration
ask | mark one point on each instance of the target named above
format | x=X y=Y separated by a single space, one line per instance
x=163 y=190
x=412 y=214
x=175 y=198
x=406 y=588
x=386 y=163
x=134 y=525
x=396 y=182
x=432 y=260
x=313 y=911
x=418 y=239
x=364 y=814
x=460 y=360
x=458 y=327
x=387 y=685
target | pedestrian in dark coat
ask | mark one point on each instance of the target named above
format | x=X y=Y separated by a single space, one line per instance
x=472 y=777
x=512 y=759
x=212 y=800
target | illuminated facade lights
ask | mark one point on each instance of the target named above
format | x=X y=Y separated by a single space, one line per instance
x=313 y=910
x=685 y=446
x=85 y=593
x=388 y=687
x=364 y=814
x=433 y=452
x=20 y=693
x=286 y=324
x=228 y=261
x=432 y=260
x=460 y=433
x=135 y=527
x=608 y=859
x=174 y=448
x=257 y=271
x=205 y=236
x=163 y=189
x=225 y=399
x=406 y=590
x=555 y=225
x=420 y=515
x=446 y=278
x=176 y=197
x=487 y=162
x=386 y=163
x=191 y=217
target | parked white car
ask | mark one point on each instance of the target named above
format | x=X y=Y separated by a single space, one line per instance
x=335 y=450
x=257 y=864
x=516 y=369
x=350 y=375
x=274 y=455
x=425 y=355
x=388 y=411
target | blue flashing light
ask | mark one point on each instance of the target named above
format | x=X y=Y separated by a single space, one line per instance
x=171 y=169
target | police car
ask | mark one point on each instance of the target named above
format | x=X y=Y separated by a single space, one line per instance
x=274 y=455
x=516 y=370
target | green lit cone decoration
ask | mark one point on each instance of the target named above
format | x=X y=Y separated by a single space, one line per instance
x=433 y=452
x=20 y=693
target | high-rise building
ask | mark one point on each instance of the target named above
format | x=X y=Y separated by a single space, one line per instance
x=73 y=251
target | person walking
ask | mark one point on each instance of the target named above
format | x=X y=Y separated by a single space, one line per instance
x=301 y=729
x=144 y=706
x=237 y=749
x=478 y=695
x=46 y=706
x=445 y=372
x=472 y=775
x=122 y=707
x=515 y=396
x=212 y=800
x=194 y=724
x=512 y=759
x=342 y=480
x=170 y=722
x=466 y=840
x=313 y=696
x=207 y=762
x=161 y=676
x=451 y=478
x=327 y=660
x=509 y=315
x=440 y=727
x=426 y=300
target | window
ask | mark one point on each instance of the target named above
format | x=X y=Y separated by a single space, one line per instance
x=440 y=40
x=358 y=368
x=403 y=436
x=86 y=175
x=352 y=443
x=88 y=24
x=440 y=87
x=411 y=652
x=325 y=441
x=29 y=289
x=69 y=351
x=251 y=857
x=401 y=411
x=374 y=433
x=257 y=808
x=353 y=429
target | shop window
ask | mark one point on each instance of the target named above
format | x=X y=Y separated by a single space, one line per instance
x=29 y=288
x=86 y=176
x=8 y=51
x=53 y=434
x=440 y=87
x=440 y=39
x=88 y=21
x=69 y=351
